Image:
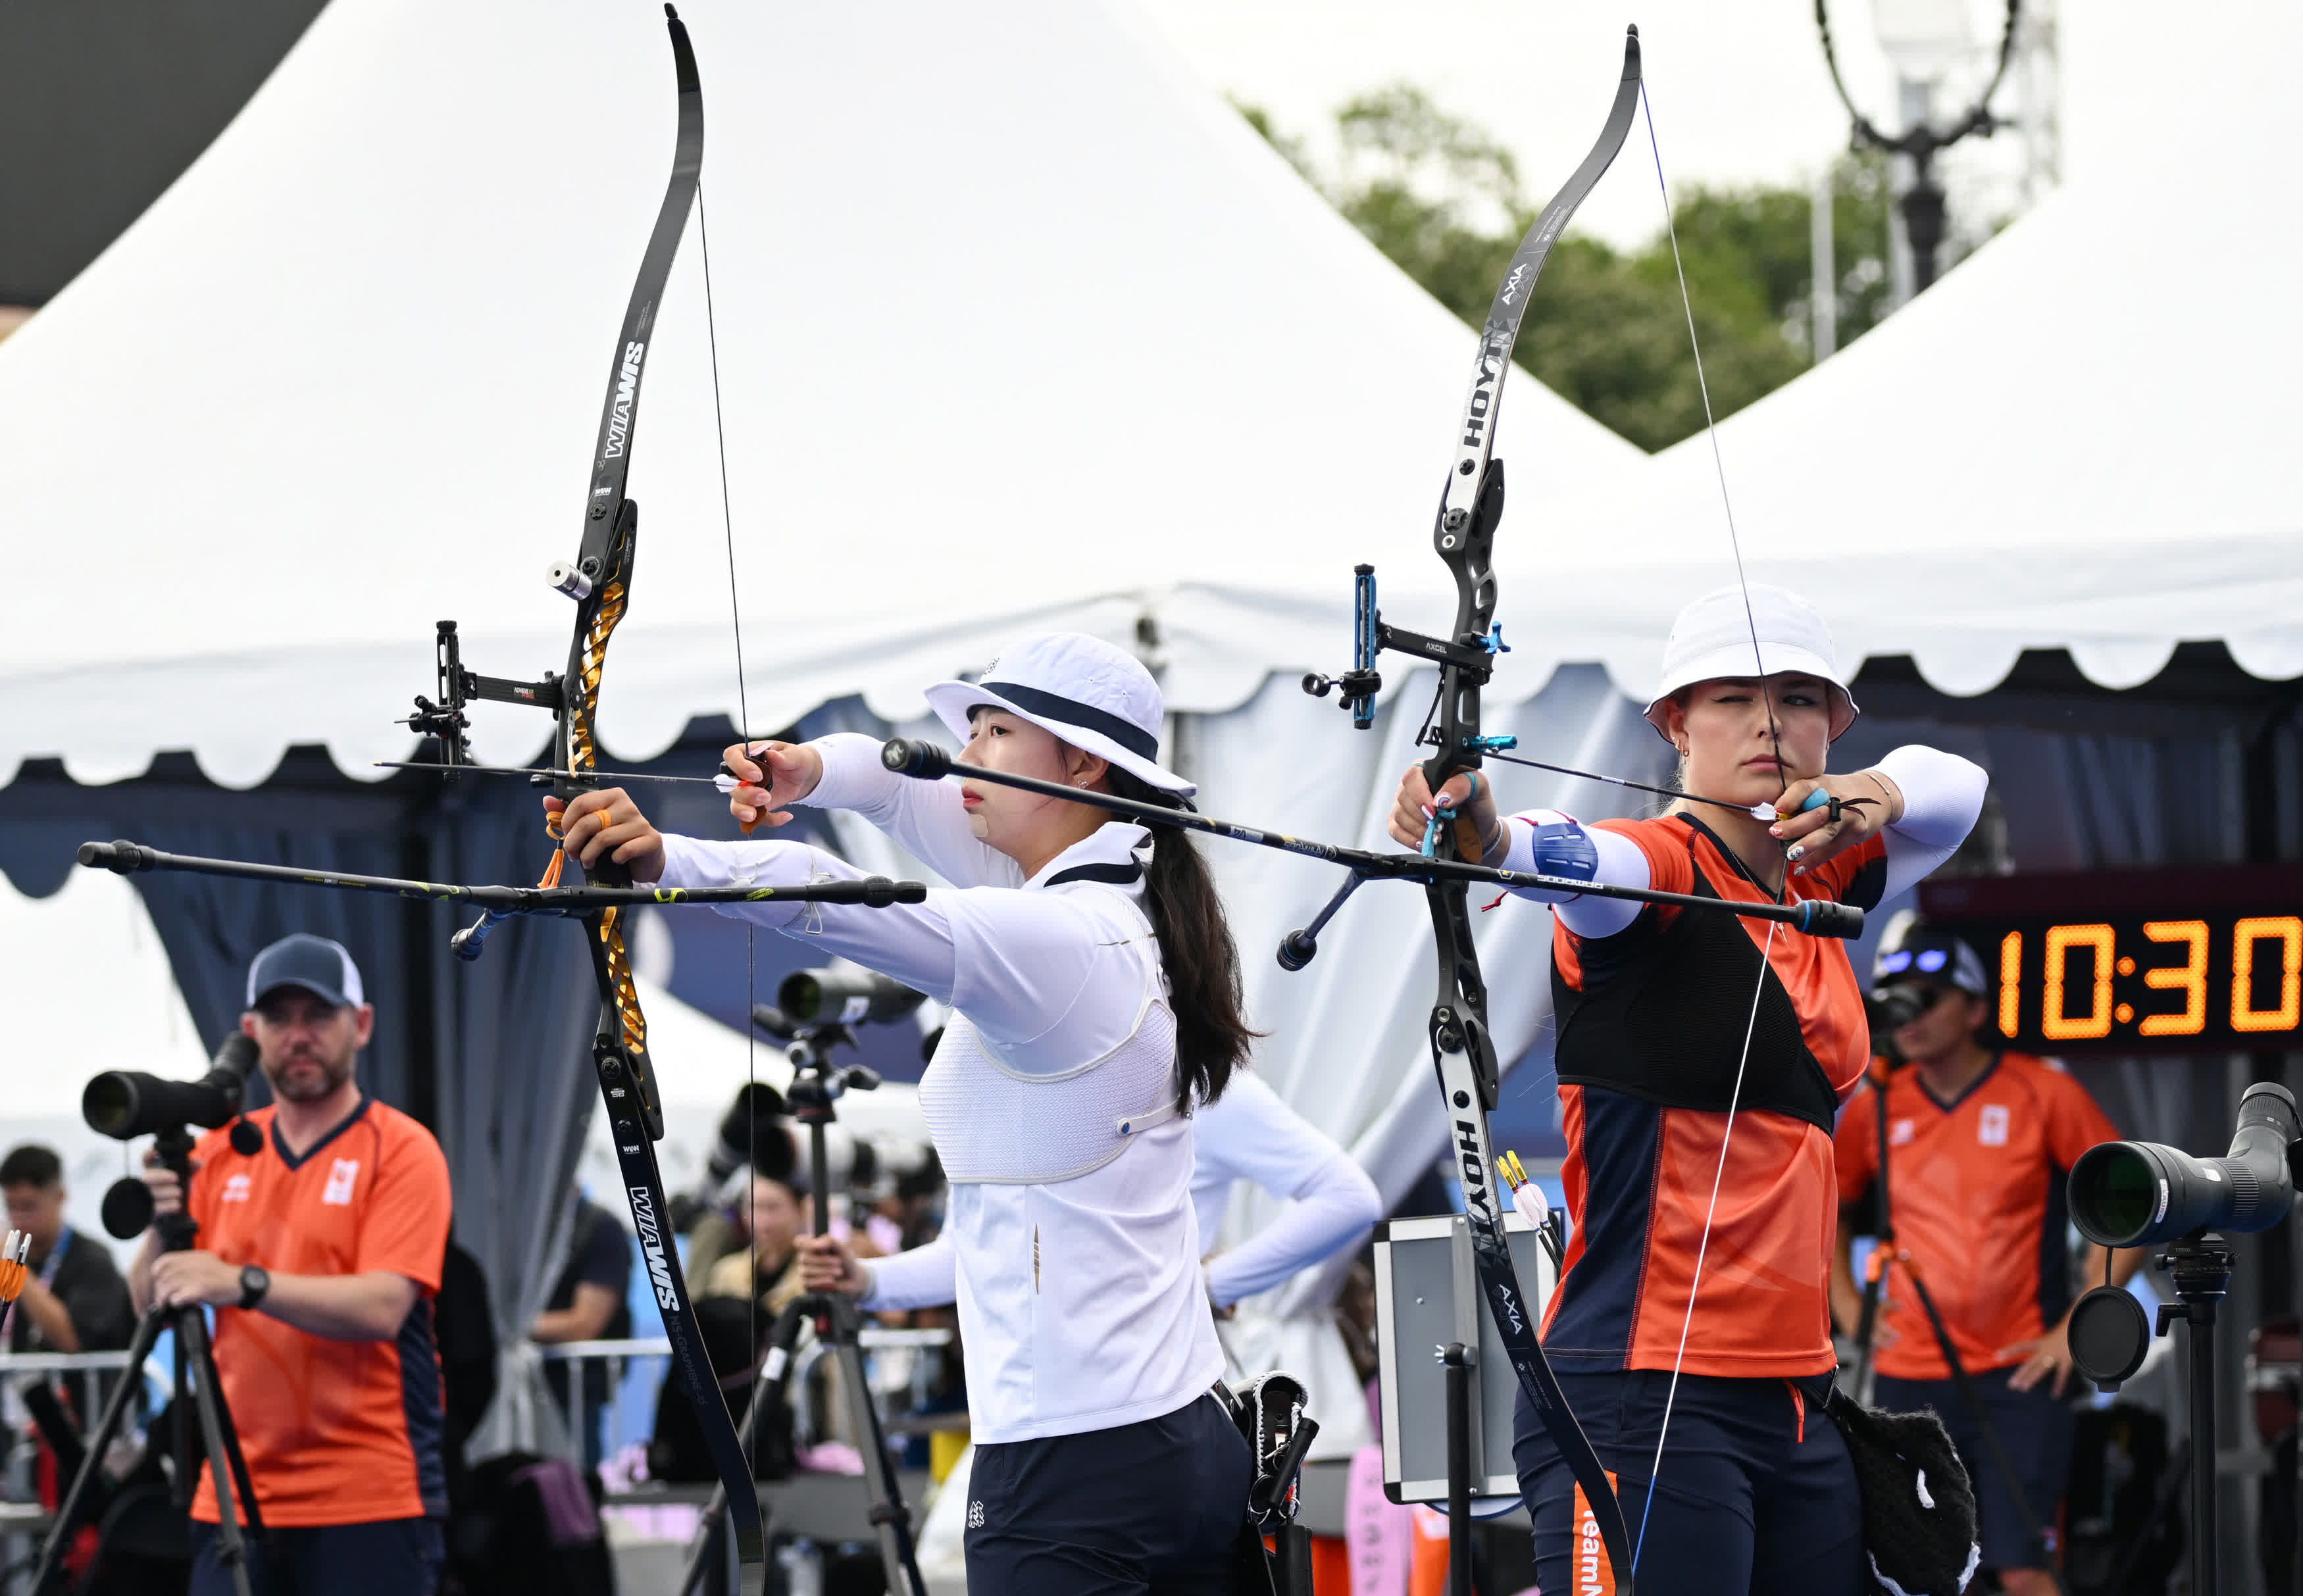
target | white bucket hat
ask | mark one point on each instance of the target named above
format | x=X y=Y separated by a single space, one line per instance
x=1712 y=639
x=1095 y=696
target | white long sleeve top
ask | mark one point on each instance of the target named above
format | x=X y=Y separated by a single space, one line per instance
x=1080 y=1300
x=1247 y=1134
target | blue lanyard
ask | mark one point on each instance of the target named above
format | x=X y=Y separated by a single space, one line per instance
x=56 y=1257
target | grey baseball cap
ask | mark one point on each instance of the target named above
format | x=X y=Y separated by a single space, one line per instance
x=317 y=965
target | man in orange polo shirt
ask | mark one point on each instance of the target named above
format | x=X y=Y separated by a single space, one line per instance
x=320 y=1253
x=1980 y=1143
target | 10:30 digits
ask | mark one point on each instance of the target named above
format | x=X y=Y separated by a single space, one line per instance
x=2278 y=935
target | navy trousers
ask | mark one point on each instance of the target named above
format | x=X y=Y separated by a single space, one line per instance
x=1152 y=1508
x=1755 y=1493
x=2034 y=1428
x=393 y=1556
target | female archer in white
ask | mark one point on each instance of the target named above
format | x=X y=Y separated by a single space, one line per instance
x=1701 y=1059
x=1096 y=992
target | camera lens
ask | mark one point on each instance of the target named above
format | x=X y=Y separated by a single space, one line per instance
x=2115 y=1188
x=108 y=1104
x=801 y=995
x=844 y=996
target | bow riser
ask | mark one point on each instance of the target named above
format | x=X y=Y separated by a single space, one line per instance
x=1462 y=1054
x=1465 y=540
x=605 y=596
x=600 y=610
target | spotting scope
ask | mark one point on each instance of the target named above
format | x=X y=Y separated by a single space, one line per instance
x=127 y=1103
x=2136 y=1193
x=853 y=995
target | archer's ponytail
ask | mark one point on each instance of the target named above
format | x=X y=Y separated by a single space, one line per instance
x=1212 y=1038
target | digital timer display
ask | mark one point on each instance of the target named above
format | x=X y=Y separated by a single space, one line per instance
x=2204 y=960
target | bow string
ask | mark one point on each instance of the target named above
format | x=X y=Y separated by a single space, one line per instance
x=1774 y=738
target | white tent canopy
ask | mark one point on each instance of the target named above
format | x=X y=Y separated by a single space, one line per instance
x=1017 y=324
x=2084 y=437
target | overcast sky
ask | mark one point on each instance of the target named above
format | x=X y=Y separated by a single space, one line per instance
x=1740 y=91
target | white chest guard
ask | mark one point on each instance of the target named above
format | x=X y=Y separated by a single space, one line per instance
x=995 y=1125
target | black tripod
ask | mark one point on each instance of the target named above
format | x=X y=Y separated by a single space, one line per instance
x=2109 y=1338
x=817 y=1081
x=198 y=1393
x=1886 y=1255
x=2200 y=1267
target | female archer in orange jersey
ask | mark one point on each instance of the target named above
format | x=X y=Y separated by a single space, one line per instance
x=1701 y=1059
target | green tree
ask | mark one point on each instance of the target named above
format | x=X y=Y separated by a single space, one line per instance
x=1437 y=195
x=1443 y=200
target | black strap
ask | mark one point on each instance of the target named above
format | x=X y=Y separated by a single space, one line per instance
x=1055 y=706
x=1972 y=1400
x=1118 y=875
x=1773 y=894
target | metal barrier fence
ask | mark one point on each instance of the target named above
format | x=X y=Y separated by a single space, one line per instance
x=900 y=1393
x=901 y=1400
x=22 y=1521
x=99 y=1369
x=806 y=1421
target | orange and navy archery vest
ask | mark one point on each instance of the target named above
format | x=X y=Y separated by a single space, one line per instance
x=1652 y=1027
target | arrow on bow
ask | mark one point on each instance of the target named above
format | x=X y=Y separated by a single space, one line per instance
x=925 y=760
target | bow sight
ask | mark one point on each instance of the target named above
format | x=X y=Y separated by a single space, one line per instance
x=444 y=720
x=1473 y=655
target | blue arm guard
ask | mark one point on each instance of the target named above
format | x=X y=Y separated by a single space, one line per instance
x=1563 y=848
